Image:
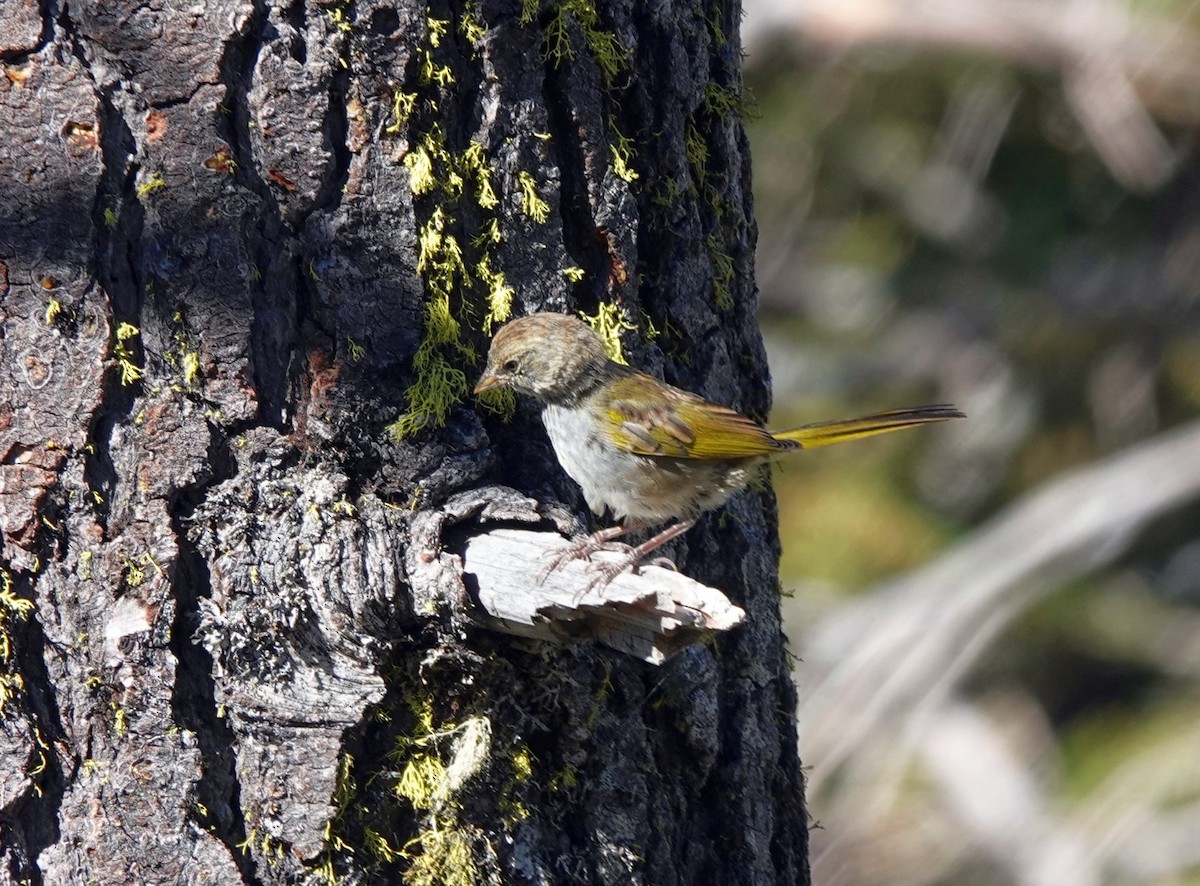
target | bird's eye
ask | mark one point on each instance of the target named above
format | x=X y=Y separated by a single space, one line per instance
x=511 y=365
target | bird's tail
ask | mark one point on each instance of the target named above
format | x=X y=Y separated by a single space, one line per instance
x=825 y=433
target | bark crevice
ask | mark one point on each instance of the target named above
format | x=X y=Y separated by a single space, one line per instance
x=194 y=696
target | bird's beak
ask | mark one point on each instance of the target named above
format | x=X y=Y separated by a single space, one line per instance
x=486 y=383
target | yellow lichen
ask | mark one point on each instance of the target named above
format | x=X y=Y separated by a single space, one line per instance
x=499 y=294
x=338 y=18
x=531 y=202
x=436 y=30
x=149 y=184
x=622 y=154
x=420 y=170
x=130 y=371
x=432 y=72
x=437 y=388
x=441 y=853
x=609 y=321
x=190 y=364
x=471 y=28
x=445 y=859
x=11 y=607
x=402 y=108
x=475 y=164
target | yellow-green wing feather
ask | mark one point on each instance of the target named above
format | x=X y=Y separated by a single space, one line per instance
x=649 y=417
x=826 y=433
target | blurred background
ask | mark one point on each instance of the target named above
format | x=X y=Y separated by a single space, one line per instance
x=994 y=203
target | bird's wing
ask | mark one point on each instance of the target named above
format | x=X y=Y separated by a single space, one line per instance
x=649 y=417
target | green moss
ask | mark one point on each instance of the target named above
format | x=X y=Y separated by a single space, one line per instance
x=441 y=858
x=723 y=272
x=696 y=149
x=603 y=46
x=440 y=760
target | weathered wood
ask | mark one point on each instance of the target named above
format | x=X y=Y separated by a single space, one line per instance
x=649 y=615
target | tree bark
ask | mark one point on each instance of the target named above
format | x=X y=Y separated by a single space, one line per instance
x=251 y=255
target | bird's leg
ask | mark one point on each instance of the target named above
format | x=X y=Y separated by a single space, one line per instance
x=583 y=548
x=606 y=572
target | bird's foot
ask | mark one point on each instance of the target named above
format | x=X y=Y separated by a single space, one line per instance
x=583 y=548
x=602 y=574
x=633 y=561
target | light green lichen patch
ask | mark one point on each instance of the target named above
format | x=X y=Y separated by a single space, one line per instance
x=610 y=320
x=458 y=263
x=131 y=372
x=603 y=46
x=12 y=608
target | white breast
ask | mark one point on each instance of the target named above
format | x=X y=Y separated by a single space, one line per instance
x=583 y=454
x=635 y=488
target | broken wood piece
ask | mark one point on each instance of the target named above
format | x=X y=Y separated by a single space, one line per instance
x=650 y=615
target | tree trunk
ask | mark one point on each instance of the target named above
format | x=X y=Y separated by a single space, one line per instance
x=252 y=254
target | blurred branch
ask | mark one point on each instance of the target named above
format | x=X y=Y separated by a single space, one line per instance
x=1144 y=818
x=871 y=670
x=998 y=797
x=1119 y=73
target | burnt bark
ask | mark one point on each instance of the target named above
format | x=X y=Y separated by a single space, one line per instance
x=239 y=242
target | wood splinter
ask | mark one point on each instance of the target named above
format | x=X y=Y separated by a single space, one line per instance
x=650 y=615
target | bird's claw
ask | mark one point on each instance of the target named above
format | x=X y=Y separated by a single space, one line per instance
x=604 y=573
x=581 y=549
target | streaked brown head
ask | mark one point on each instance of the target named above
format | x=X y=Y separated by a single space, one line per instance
x=553 y=357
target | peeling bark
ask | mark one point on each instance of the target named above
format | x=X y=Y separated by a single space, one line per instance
x=226 y=658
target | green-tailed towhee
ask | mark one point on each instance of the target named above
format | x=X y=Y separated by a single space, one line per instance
x=648 y=452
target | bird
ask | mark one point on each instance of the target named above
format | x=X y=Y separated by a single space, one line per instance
x=643 y=450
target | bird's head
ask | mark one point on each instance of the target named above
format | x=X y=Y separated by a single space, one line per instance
x=555 y=358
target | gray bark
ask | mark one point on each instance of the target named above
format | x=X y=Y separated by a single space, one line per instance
x=227 y=658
